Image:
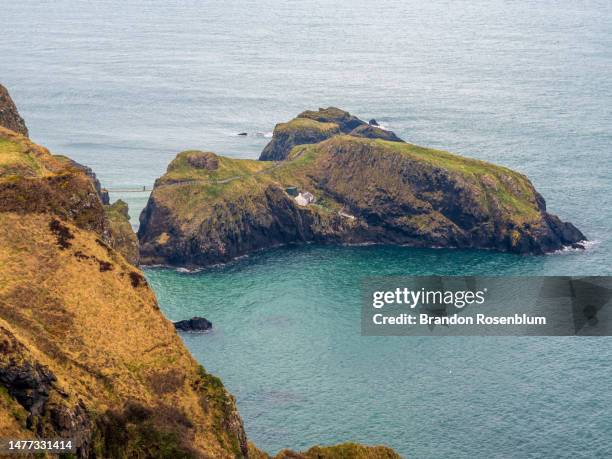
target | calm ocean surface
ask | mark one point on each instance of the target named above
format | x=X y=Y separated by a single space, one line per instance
x=124 y=86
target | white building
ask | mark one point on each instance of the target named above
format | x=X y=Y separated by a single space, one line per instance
x=305 y=198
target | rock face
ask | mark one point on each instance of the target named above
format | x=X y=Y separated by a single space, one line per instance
x=123 y=238
x=102 y=192
x=195 y=324
x=206 y=161
x=366 y=191
x=316 y=126
x=9 y=116
x=296 y=132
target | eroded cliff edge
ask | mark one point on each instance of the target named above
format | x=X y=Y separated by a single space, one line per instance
x=209 y=209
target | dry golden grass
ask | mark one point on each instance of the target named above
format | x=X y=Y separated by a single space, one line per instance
x=90 y=317
x=21 y=157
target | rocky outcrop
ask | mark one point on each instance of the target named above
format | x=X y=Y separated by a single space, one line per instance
x=207 y=161
x=102 y=192
x=34 y=181
x=366 y=191
x=315 y=126
x=9 y=116
x=195 y=324
x=122 y=236
x=47 y=409
x=374 y=132
x=343 y=119
x=296 y=132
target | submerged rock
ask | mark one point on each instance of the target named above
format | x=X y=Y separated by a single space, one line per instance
x=9 y=116
x=364 y=191
x=195 y=324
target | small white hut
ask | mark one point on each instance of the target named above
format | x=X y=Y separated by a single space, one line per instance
x=305 y=198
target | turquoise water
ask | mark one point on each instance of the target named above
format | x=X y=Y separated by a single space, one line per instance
x=287 y=343
x=124 y=86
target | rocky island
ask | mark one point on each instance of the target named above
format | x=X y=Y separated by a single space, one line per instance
x=315 y=126
x=337 y=179
x=85 y=352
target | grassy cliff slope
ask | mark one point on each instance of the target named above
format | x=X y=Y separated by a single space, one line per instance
x=85 y=351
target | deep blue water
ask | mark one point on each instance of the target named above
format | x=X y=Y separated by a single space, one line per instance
x=124 y=86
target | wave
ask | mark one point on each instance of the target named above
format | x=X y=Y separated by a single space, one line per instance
x=568 y=249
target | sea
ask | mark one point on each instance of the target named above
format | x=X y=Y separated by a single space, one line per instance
x=123 y=86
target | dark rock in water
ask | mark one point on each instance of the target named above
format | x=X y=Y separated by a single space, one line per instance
x=195 y=324
x=373 y=132
x=373 y=122
x=578 y=245
x=242 y=133
x=9 y=116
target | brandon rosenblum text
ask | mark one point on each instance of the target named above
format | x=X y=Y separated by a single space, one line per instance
x=456 y=319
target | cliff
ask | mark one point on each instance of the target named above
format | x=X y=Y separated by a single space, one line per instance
x=124 y=239
x=9 y=116
x=85 y=351
x=364 y=191
x=316 y=126
x=35 y=181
